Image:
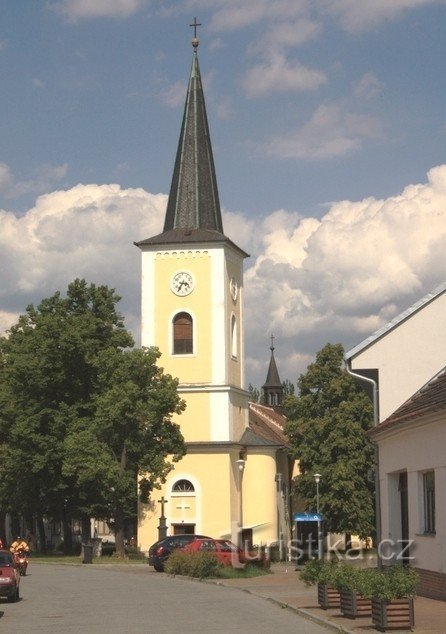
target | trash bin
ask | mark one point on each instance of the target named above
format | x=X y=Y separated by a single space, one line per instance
x=87 y=552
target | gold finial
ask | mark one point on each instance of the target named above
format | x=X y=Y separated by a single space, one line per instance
x=195 y=40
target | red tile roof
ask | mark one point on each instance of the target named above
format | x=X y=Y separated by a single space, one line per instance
x=430 y=398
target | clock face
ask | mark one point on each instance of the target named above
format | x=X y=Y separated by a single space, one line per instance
x=182 y=283
x=233 y=288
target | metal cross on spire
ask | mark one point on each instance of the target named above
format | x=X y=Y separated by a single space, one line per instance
x=195 y=41
x=272 y=342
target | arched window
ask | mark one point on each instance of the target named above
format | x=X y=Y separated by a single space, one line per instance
x=234 y=341
x=183 y=486
x=183 y=342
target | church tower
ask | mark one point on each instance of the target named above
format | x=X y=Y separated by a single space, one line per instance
x=273 y=388
x=192 y=310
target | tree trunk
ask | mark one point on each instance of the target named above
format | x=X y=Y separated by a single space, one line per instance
x=67 y=536
x=85 y=529
x=119 y=515
x=348 y=541
x=3 y=528
x=119 y=533
x=42 y=535
x=15 y=526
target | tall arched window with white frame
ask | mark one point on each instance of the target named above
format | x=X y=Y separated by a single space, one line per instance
x=234 y=337
x=183 y=338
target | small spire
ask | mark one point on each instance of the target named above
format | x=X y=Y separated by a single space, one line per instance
x=195 y=40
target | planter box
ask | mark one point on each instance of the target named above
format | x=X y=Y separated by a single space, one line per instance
x=327 y=597
x=397 y=614
x=354 y=606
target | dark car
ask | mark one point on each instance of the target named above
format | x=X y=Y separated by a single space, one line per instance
x=160 y=551
x=9 y=577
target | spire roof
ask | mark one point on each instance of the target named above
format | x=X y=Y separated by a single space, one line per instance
x=272 y=378
x=193 y=199
x=193 y=212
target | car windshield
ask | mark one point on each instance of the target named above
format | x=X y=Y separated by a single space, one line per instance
x=5 y=559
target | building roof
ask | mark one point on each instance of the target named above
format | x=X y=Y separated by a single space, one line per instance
x=266 y=425
x=396 y=321
x=430 y=398
x=193 y=212
x=272 y=378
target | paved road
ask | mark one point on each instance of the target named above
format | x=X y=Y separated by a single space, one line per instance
x=108 y=599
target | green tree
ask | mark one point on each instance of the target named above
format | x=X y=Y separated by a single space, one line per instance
x=131 y=434
x=288 y=388
x=54 y=367
x=48 y=381
x=254 y=394
x=326 y=429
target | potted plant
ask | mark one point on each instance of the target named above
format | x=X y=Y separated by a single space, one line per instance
x=322 y=573
x=351 y=581
x=392 y=591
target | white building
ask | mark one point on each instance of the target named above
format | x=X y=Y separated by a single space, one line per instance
x=406 y=360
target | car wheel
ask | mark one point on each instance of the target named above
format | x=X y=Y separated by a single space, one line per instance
x=159 y=568
x=15 y=597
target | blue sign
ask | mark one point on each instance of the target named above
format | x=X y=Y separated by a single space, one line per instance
x=308 y=517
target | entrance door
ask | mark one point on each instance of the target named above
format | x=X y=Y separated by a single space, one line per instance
x=183 y=529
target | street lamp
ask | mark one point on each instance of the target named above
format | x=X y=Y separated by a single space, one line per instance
x=241 y=467
x=317 y=479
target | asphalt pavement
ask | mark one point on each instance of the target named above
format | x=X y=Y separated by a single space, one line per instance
x=108 y=599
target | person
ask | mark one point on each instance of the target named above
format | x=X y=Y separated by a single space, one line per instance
x=18 y=545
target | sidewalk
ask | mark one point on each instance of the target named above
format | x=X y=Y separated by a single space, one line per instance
x=285 y=588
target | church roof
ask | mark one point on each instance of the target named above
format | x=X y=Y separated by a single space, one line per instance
x=429 y=399
x=193 y=199
x=272 y=378
x=193 y=212
x=266 y=424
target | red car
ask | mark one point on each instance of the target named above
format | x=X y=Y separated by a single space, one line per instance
x=226 y=551
x=9 y=577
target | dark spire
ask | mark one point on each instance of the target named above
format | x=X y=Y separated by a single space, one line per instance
x=193 y=199
x=273 y=388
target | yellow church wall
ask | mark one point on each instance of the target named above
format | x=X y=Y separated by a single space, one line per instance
x=260 y=495
x=239 y=407
x=194 y=421
x=235 y=366
x=209 y=508
x=194 y=368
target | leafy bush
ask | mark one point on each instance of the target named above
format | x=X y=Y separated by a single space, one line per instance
x=394 y=582
x=319 y=571
x=200 y=564
x=348 y=577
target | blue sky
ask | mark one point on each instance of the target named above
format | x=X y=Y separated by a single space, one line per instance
x=309 y=102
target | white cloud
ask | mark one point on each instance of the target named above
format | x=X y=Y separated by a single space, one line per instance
x=281 y=75
x=46 y=177
x=87 y=231
x=363 y=15
x=75 y=10
x=343 y=277
x=174 y=95
x=368 y=87
x=330 y=132
x=309 y=280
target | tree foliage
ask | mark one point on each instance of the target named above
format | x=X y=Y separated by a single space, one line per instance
x=75 y=399
x=326 y=429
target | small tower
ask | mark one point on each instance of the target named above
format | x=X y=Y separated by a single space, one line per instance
x=273 y=388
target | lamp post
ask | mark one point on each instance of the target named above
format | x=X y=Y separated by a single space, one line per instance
x=317 y=479
x=241 y=467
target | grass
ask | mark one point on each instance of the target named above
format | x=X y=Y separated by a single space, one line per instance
x=56 y=558
x=228 y=572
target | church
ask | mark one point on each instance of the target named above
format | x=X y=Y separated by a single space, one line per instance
x=234 y=480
